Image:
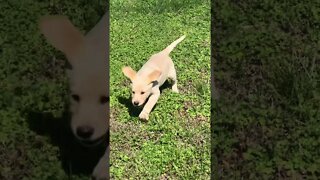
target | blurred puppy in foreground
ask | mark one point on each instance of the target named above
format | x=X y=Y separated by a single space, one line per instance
x=88 y=79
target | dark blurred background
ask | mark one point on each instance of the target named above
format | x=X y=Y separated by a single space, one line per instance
x=266 y=68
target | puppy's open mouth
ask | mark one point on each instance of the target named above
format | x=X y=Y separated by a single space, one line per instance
x=91 y=143
x=138 y=106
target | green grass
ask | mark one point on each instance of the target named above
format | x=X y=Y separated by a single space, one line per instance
x=33 y=88
x=175 y=142
x=266 y=121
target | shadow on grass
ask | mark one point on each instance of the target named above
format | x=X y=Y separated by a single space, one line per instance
x=76 y=159
x=135 y=111
x=159 y=7
x=166 y=85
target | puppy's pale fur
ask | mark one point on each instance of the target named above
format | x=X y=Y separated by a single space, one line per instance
x=147 y=81
x=88 y=79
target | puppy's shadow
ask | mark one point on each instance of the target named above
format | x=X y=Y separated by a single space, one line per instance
x=167 y=84
x=135 y=111
x=76 y=159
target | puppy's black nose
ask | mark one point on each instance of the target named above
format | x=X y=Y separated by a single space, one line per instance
x=85 y=132
x=136 y=103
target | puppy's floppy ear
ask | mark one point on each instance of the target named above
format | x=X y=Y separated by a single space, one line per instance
x=61 y=33
x=129 y=72
x=153 y=76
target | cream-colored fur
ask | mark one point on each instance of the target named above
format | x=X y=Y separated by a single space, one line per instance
x=147 y=81
x=88 y=79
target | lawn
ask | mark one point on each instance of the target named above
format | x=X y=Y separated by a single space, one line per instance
x=266 y=68
x=175 y=142
x=33 y=90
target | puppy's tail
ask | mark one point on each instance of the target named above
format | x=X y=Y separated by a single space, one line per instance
x=173 y=45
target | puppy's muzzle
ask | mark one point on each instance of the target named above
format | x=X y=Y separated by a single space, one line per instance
x=93 y=143
x=136 y=103
x=85 y=132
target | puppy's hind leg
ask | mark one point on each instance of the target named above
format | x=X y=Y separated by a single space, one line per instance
x=173 y=76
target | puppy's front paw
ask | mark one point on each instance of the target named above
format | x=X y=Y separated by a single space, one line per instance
x=144 y=116
x=175 y=88
x=100 y=172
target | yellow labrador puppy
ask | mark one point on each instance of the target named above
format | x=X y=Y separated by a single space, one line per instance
x=147 y=81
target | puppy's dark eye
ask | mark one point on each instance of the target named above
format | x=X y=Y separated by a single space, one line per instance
x=104 y=99
x=132 y=92
x=142 y=92
x=75 y=97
